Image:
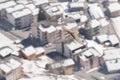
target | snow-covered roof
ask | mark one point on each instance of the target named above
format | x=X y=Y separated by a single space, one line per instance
x=113 y=65
x=111 y=54
x=4 y=40
x=15 y=8
x=96 y=12
x=29 y=51
x=13 y=63
x=15 y=47
x=10 y=65
x=76 y=4
x=103 y=22
x=64 y=63
x=97 y=46
x=83 y=18
x=39 y=50
x=113 y=7
x=49 y=29
x=73 y=45
x=71 y=26
x=112 y=59
x=7 y=4
x=5 y=51
x=22 y=2
x=1 y=1
x=113 y=0
x=88 y=53
x=21 y=13
x=116 y=25
x=33 y=8
x=113 y=39
x=102 y=38
x=5 y=68
x=94 y=23
x=54 y=10
x=44 y=60
x=39 y=2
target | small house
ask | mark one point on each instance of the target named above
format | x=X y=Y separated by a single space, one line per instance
x=62 y=67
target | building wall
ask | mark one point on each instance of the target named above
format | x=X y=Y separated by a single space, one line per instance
x=18 y=72
x=90 y=64
x=96 y=62
x=35 y=19
x=20 y=22
x=51 y=37
x=26 y=20
x=67 y=52
x=2 y=13
x=115 y=14
x=33 y=56
x=53 y=1
x=11 y=19
x=59 y=47
x=15 y=74
x=69 y=70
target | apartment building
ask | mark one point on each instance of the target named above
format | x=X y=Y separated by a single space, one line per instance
x=70 y=47
x=104 y=22
x=3 y=6
x=111 y=59
x=38 y=3
x=96 y=11
x=53 y=13
x=35 y=12
x=5 y=51
x=95 y=25
x=21 y=18
x=76 y=6
x=14 y=8
x=89 y=59
x=11 y=69
x=46 y=33
x=114 y=9
x=93 y=1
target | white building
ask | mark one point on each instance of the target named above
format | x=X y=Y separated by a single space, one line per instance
x=65 y=67
x=14 y=8
x=23 y=1
x=77 y=17
x=89 y=59
x=35 y=12
x=11 y=69
x=3 y=6
x=21 y=18
x=53 y=13
x=102 y=38
x=114 y=41
x=70 y=48
x=111 y=39
x=39 y=3
x=104 y=22
x=92 y=1
x=31 y=53
x=114 y=9
x=20 y=13
x=96 y=12
x=116 y=25
x=95 y=25
x=111 y=59
x=47 y=33
x=76 y=6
